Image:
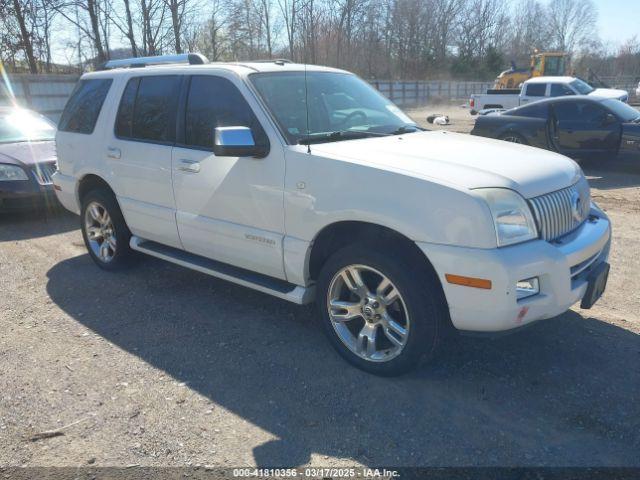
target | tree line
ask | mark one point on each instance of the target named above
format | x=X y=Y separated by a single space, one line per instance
x=407 y=39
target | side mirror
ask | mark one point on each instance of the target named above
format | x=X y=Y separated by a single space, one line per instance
x=237 y=142
x=609 y=119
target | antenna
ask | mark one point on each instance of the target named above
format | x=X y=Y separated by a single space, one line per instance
x=306 y=102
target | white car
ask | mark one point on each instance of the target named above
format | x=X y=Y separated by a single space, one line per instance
x=638 y=91
x=397 y=233
x=539 y=88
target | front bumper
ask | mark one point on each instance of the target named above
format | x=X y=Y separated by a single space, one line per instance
x=562 y=268
x=25 y=194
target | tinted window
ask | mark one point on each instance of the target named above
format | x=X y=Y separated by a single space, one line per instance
x=560 y=90
x=591 y=112
x=536 y=89
x=155 y=108
x=83 y=107
x=216 y=102
x=536 y=110
x=567 y=111
x=124 y=121
x=582 y=87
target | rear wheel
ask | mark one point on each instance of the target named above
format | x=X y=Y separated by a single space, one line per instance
x=104 y=230
x=381 y=314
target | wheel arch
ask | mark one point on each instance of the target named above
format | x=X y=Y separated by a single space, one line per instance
x=339 y=234
x=90 y=182
x=343 y=233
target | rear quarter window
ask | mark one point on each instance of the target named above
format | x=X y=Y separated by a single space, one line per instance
x=537 y=110
x=83 y=107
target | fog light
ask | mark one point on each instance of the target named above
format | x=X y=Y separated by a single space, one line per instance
x=527 y=288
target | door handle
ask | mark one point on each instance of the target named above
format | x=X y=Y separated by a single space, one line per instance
x=191 y=166
x=113 y=152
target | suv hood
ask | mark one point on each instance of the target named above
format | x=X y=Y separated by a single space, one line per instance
x=28 y=153
x=610 y=93
x=462 y=160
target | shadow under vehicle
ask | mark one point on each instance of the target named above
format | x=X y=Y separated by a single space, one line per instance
x=558 y=393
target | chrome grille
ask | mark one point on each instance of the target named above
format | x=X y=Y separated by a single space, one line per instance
x=43 y=173
x=558 y=213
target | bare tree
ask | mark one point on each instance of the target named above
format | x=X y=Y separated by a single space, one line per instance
x=211 y=37
x=571 y=23
x=90 y=23
x=290 y=10
x=21 y=11
x=264 y=11
x=529 y=30
x=123 y=21
x=152 y=22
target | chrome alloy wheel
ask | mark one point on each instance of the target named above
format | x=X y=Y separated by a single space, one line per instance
x=368 y=313
x=100 y=232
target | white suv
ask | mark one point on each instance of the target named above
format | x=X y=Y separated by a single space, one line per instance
x=306 y=183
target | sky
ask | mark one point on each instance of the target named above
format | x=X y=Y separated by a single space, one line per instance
x=618 y=20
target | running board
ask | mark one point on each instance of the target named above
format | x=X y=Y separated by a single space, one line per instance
x=246 y=278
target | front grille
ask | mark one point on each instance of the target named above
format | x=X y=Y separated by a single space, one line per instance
x=561 y=212
x=43 y=173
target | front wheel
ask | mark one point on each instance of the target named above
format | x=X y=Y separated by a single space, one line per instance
x=382 y=314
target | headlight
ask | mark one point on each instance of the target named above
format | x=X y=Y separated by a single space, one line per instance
x=12 y=172
x=511 y=216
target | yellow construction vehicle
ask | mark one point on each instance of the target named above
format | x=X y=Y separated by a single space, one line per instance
x=548 y=64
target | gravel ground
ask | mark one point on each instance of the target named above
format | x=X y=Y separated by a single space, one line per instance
x=165 y=366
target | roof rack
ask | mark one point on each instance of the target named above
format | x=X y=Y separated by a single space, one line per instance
x=138 y=62
x=278 y=61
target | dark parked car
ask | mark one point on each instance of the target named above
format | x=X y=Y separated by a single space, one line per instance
x=27 y=159
x=582 y=128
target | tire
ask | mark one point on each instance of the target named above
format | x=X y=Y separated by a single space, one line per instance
x=513 y=137
x=109 y=233
x=420 y=309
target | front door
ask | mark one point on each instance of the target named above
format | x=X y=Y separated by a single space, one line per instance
x=581 y=129
x=229 y=209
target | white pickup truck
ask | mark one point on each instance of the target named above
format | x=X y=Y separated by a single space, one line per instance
x=539 y=88
x=305 y=183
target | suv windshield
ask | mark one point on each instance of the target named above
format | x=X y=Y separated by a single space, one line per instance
x=17 y=125
x=341 y=106
x=583 y=88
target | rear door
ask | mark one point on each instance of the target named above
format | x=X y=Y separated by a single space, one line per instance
x=139 y=153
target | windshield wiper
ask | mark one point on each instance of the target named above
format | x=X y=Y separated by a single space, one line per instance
x=409 y=128
x=337 y=136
